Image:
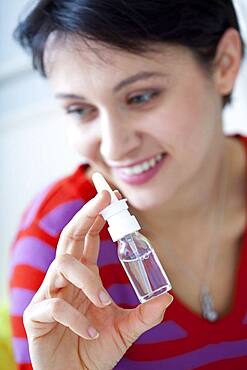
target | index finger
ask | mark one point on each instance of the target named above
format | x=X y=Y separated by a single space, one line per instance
x=92 y=241
x=72 y=238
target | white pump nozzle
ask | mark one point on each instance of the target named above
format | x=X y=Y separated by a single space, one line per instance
x=101 y=184
x=120 y=221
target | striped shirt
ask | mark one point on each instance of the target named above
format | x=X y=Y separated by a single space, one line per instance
x=182 y=341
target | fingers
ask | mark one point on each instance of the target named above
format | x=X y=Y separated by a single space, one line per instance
x=82 y=230
x=146 y=316
x=83 y=278
x=118 y=194
x=80 y=237
x=92 y=240
x=80 y=240
x=73 y=236
x=67 y=270
x=56 y=310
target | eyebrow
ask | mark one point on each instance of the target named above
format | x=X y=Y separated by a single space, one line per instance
x=69 y=96
x=137 y=77
x=128 y=81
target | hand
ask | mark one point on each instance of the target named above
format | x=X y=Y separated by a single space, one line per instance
x=71 y=322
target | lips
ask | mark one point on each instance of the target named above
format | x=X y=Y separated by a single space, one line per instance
x=140 y=161
x=141 y=173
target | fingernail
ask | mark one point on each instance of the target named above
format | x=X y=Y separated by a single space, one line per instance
x=169 y=299
x=105 y=298
x=59 y=282
x=92 y=332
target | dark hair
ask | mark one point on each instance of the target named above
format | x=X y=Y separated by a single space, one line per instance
x=132 y=25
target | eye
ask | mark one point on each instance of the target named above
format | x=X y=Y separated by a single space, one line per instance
x=76 y=111
x=80 y=113
x=143 y=98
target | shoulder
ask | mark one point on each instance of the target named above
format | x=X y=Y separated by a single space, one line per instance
x=54 y=206
x=34 y=246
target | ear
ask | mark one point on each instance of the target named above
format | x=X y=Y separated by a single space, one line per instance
x=227 y=61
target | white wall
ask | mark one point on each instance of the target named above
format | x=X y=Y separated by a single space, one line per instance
x=33 y=147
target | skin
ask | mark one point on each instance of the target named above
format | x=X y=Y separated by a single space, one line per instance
x=68 y=304
x=109 y=127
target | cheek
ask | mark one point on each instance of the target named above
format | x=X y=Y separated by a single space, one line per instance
x=84 y=142
x=185 y=122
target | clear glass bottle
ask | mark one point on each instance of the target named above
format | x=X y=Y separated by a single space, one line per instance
x=135 y=252
x=142 y=266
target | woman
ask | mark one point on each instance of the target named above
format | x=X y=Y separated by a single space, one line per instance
x=143 y=85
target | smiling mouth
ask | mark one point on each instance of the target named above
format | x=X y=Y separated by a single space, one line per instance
x=143 y=172
x=142 y=167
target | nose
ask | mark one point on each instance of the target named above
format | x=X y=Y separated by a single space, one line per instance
x=119 y=138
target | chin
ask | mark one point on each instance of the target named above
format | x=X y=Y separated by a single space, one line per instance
x=144 y=201
x=149 y=196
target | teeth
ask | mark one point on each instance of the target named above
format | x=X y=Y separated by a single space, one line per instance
x=135 y=170
x=145 y=166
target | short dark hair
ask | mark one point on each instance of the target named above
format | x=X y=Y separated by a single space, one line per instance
x=131 y=25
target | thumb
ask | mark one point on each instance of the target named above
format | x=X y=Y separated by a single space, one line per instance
x=149 y=314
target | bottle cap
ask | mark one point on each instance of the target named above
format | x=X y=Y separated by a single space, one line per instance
x=121 y=222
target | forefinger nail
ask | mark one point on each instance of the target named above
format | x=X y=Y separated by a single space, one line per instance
x=169 y=299
x=92 y=332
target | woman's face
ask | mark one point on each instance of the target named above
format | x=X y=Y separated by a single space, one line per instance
x=149 y=123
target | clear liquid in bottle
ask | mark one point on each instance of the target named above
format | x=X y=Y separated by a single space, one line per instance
x=142 y=266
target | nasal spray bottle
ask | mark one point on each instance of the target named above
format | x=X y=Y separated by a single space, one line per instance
x=135 y=252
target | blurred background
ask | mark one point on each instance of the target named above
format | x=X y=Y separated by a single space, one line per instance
x=33 y=146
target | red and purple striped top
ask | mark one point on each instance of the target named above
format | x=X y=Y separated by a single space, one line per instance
x=183 y=341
